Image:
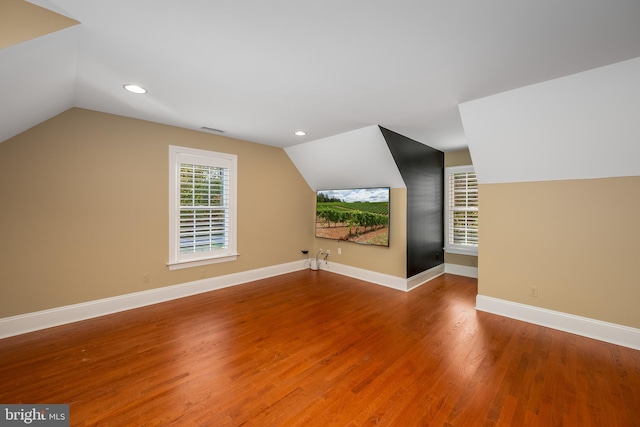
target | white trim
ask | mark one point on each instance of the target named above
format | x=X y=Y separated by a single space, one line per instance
x=461 y=270
x=367 y=275
x=16 y=325
x=422 y=278
x=584 y=326
x=382 y=279
x=201 y=262
x=460 y=249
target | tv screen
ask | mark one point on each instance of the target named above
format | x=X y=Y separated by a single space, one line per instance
x=359 y=215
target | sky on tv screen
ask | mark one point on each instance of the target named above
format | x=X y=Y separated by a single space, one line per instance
x=359 y=194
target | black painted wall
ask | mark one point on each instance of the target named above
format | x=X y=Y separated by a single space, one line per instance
x=422 y=169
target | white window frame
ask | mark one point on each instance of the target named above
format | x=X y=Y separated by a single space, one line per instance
x=184 y=155
x=450 y=247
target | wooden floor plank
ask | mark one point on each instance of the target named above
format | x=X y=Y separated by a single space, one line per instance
x=313 y=348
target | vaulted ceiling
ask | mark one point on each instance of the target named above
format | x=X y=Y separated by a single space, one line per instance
x=260 y=70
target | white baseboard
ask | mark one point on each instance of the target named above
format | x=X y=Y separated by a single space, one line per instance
x=16 y=325
x=422 y=278
x=584 y=326
x=461 y=270
x=366 y=275
x=387 y=280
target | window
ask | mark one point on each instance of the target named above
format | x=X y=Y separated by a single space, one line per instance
x=202 y=199
x=461 y=210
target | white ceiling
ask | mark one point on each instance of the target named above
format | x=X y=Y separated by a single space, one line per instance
x=261 y=70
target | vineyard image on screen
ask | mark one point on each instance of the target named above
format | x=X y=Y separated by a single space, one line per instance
x=359 y=215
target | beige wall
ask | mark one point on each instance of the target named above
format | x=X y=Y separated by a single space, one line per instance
x=390 y=260
x=459 y=158
x=577 y=241
x=21 y=21
x=84 y=209
x=84 y=212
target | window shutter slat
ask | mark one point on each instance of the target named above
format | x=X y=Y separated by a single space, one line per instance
x=204 y=208
x=463 y=209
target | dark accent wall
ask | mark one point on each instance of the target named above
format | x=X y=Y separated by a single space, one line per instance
x=422 y=169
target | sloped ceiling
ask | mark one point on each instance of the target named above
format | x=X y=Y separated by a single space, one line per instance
x=358 y=158
x=261 y=70
x=38 y=57
x=581 y=126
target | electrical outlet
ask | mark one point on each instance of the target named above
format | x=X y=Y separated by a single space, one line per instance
x=533 y=291
x=339 y=251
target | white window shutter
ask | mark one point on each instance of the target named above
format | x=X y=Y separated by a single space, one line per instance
x=202 y=207
x=461 y=210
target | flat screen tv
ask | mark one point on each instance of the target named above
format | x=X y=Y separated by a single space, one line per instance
x=359 y=215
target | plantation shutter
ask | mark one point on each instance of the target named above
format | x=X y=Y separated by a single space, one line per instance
x=204 y=208
x=462 y=217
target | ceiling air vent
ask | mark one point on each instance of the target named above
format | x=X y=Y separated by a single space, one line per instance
x=211 y=129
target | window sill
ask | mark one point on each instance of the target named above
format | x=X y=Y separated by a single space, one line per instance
x=462 y=251
x=177 y=265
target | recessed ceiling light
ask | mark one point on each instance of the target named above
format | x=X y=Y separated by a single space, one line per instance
x=135 y=88
x=300 y=133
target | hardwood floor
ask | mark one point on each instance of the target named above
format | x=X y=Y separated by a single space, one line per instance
x=313 y=348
